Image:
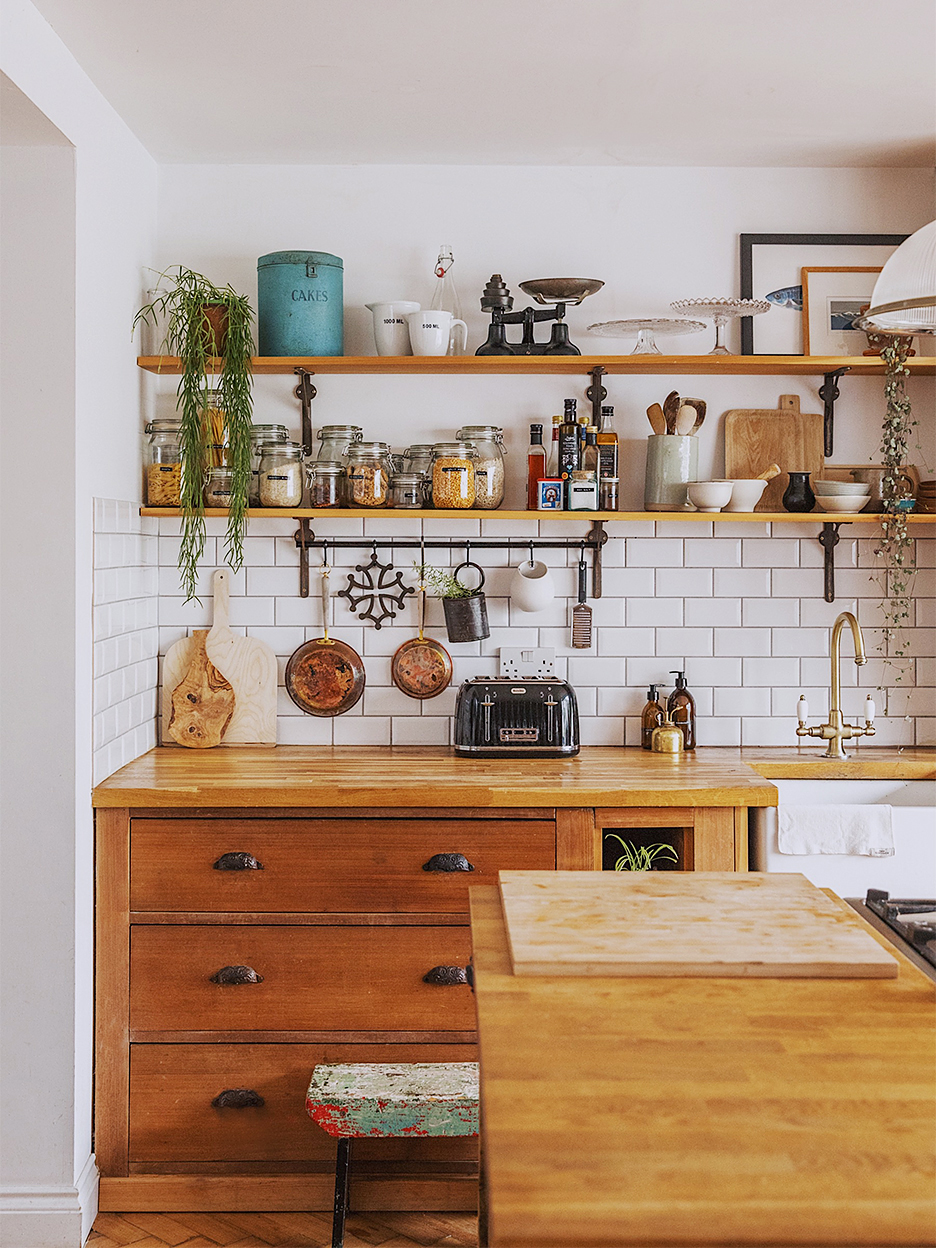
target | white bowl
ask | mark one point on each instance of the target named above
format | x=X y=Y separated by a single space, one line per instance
x=710 y=495
x=745 y=494
x=840 y=487
x=843 y=502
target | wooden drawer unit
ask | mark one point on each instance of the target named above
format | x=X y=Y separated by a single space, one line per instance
x=389 y=866
x=315 y=978
x=175 y=1118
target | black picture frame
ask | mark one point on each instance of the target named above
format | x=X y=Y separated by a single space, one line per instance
x=749 y=241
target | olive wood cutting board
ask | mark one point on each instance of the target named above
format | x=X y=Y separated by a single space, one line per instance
x=755 y=438
x=247 y=664
x=668 y=923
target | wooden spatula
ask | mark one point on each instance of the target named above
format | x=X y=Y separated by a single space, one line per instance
x=769 y=473
x=581 y=612
x=656 y=418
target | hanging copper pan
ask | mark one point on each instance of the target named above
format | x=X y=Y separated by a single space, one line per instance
x=325 y=677
x=421 y=667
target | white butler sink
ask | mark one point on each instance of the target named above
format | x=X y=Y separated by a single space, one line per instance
x=911 y=872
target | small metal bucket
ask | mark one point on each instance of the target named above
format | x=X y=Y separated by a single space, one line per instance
x=300 y=303
x=466 y=618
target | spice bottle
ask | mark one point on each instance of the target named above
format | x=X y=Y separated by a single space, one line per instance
x=681 y=706
x=281 y=475
x=164 y=464
x=582 y=490
x=536 y=466
x=651 y=717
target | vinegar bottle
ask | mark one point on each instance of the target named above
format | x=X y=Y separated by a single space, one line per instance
x=536 y=466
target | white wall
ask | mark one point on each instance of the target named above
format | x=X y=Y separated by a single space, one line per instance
x=83 y=404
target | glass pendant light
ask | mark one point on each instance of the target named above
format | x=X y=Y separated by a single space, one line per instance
x=904 y=298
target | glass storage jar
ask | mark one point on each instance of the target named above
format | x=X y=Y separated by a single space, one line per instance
x=368 y=475
x=326 y=483
x=164 y=464
x=488 y=441
x=336 y=441
x=260 y=436
x=583 y=491
x=218 y=486
x=214 y=423
x=453 y=474
x=281 y=475
x=418 y=458
x=408 y=489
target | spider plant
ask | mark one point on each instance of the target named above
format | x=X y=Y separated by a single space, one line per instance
x=207 y=326
x=641 y=857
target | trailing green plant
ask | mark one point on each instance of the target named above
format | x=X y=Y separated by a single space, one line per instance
x=205 y=322
x=641 y=857
x=442 y=582
x=895 y=547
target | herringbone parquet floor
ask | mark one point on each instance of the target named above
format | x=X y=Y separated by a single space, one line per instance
x=282 y=1230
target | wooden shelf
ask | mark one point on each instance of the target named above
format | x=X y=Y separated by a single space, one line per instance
x=565 y=365
x=587 y=517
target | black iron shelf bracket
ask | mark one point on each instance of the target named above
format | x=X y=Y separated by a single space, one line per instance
x=829 y=539
x=829 y=392
x=306 y=541
x=596 y=394
x=305 y=392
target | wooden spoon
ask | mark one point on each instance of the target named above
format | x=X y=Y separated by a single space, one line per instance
x=656 y=418
x=700 y=408
x=670 y=410
x=685 y=419
x=769 y=473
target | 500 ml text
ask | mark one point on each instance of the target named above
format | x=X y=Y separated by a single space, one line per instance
x=310 y=296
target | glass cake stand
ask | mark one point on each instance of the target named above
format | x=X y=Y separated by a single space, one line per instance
x=721 y=311
x=646 y=328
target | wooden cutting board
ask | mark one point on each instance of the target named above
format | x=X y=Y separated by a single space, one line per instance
x=755 y=438
x=202 y=703
x=667 y=923
x=247 y=664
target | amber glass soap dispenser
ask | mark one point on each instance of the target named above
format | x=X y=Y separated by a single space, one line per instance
x=681 y=706
x=651 y=717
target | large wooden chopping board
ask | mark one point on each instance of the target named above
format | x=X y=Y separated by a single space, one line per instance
x=755 y=438
x=247 y=664
x=667 y=923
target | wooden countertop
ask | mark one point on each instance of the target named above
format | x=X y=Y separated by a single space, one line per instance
x=703 y=1111
x=869 y=762
x=429 y=776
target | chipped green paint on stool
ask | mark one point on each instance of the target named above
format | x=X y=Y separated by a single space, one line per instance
x=384 y=1099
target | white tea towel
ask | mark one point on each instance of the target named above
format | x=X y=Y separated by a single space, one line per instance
x=836 y=830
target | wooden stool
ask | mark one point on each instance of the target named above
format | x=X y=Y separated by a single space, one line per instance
x=382 y=1100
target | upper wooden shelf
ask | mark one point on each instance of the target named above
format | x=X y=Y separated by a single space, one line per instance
x=587 y=517
x=565 y=365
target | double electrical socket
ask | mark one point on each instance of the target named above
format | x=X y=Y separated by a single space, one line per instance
x=517 y=662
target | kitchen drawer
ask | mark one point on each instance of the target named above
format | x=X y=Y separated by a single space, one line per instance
x=172 y=1118
x=332 y=978
x=327 y=865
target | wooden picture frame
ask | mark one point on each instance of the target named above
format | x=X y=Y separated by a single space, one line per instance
x=821 y=334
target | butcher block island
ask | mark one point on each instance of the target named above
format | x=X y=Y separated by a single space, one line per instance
x=261 y=910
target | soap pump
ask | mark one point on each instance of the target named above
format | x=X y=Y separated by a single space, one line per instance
x=681 y=706
x=651 y=717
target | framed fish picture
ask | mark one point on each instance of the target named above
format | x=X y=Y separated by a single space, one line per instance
x=771 y=269
x=833 y=300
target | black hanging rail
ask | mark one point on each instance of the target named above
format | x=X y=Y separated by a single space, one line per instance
x=306 y=541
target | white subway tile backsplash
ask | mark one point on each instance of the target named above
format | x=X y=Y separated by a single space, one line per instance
x=684 y=582
x=628 y=582
x=806 y=642
x=744 y=642
x=625 y=641
x=596 y=671
x=364 y=730
x=771 y=552
x=305 y=730
x=800 y=583
x=653 y=612
x=660 y=552
x=742 y=702
x=600 y=731
x=755 y=671
x=718 y=730
x=712 y=612
x=741 y=583
x=685 y=641
x=712 y=552
x=765 y=612
x=427 y=730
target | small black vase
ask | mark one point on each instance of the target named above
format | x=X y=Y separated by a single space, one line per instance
x=798 y=495
x=466 y=618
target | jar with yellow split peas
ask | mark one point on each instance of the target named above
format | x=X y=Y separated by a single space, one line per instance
x=453 y=474
x=164 y=463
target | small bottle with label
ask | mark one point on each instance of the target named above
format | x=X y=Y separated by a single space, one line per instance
x=583 y=491
x=651 y=717
x=681 y=707
x=536 y=466
x=569 y=449
x=607 y=445
x=552 y=467
x=590 y=451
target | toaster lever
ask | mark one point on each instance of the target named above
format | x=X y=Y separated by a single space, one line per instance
x=487 y=704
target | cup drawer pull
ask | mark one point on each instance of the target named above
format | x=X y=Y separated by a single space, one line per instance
x=236 y=975
x=446 y=976
x=239 y=861
x=448 y=862
x=237 y=1098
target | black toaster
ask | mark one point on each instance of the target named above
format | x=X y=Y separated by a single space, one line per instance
x=534 y=716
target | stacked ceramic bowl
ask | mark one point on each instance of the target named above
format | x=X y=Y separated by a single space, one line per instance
x=841 y=496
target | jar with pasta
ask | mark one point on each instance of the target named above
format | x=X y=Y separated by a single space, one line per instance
x=261 y=436
x=488 y=441
x=281 y=475
x=218 y=487
x=214 y=423
x=453 y=475
x=368 y=475
x=164 y=464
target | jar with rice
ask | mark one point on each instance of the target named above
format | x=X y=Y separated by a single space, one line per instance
x=261 y=436
x=281 y=475
x=488 y=441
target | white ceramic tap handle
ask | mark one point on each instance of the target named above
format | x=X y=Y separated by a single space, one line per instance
x=870 y=709
x=802 y=710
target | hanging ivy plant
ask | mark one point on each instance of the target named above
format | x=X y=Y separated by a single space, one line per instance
x=895 y=547
x=205 y=323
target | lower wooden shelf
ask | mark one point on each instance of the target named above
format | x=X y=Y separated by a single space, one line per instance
x=587 y=517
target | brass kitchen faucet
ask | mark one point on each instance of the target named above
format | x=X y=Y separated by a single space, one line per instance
x=836 y=730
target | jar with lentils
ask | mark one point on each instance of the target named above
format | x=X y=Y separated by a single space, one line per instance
x=261 y=436
x=281 y=475
x=453 y=475
x=164 y=463
x=368 y=475
x=488 y=441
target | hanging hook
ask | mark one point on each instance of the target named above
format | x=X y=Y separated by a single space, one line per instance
x=532 y=560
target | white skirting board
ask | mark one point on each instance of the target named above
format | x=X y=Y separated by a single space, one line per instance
x=50 y=1215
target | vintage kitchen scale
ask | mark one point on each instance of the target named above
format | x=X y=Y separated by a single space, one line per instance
x=558 y=291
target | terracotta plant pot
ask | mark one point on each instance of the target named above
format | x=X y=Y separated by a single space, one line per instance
x=215 y=327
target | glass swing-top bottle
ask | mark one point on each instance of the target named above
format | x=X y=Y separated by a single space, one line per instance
x=445 y=297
